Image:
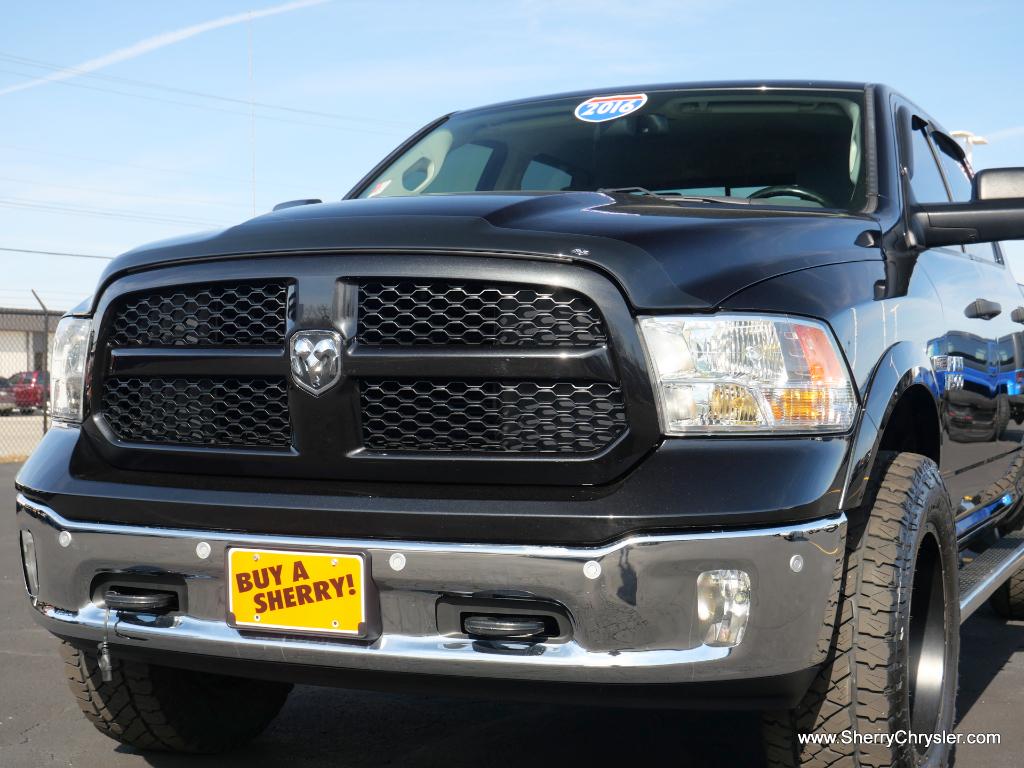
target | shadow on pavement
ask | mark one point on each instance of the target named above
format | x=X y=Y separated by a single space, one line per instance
x=350 y=728
x=343 y=728
x=987 y=644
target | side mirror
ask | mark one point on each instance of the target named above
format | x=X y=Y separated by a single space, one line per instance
x=996 y=212
x=998 y=184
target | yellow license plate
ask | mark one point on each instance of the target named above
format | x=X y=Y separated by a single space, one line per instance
x=297 y=591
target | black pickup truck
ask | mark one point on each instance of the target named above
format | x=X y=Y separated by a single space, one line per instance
x=683 y=396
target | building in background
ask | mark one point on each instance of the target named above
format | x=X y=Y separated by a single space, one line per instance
x=25 y=338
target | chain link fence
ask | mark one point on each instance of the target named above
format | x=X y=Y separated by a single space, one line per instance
x=26 y=336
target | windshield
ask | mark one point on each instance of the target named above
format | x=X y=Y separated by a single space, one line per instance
x=800 y=148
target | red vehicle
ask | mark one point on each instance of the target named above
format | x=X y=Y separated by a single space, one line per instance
x=7 y=402
x=31 y=389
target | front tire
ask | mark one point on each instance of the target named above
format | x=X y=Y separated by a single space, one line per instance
x=153 y=708
x=892 y=668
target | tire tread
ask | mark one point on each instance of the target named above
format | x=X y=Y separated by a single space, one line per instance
x=856 y=688
x=154 y=708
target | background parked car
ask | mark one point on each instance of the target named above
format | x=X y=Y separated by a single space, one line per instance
x=7 y=401
x=31 y=390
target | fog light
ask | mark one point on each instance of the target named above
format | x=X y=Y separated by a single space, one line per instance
x=723 y=606
x=28 y=559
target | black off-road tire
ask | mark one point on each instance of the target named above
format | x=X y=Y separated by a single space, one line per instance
x=901 y=561
x=161 y=709
x=1008 y=600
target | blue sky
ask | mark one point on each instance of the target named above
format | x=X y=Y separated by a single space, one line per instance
x=103 y=161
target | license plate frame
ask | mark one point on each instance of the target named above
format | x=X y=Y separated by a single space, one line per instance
x=341 y=596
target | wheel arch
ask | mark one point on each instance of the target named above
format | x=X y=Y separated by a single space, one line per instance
x=900 y=414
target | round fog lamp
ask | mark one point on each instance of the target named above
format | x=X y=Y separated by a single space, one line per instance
x=723 y=606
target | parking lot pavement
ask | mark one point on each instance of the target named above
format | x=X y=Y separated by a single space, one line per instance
x=41 y=726
x=19 y=434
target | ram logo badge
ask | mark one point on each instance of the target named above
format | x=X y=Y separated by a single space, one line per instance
x=316 y=360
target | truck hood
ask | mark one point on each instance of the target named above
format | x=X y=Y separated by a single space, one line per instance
x=663 y=254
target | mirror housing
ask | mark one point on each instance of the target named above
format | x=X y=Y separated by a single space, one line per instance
x=996 y=212
x=998 y=184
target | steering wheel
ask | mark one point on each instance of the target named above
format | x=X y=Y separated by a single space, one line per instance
x=790 y=190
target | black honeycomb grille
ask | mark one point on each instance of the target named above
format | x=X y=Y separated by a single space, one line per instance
x=491 y=416
x=409 y=312
x=212 y=315
x=234 y=412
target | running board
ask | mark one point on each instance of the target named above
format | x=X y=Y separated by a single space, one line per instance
x=988 y=571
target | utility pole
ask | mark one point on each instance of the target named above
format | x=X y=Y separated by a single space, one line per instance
x=46 y=360
x=969 y=139
x=252 y=114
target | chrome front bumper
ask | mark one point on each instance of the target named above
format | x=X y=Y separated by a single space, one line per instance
x=634 y=623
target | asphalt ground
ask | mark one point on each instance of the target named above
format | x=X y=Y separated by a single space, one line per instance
x=40 y=725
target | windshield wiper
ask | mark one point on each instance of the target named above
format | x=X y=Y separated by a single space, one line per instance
x=675 y=197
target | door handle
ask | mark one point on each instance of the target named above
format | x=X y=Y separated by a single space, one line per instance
x=1017 y=315
x=983 y=309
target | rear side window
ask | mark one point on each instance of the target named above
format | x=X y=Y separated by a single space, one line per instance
x=972 y=349
x=926 y=181
x=1006 y=353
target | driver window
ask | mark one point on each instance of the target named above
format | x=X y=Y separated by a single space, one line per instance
x=956 y=172
x=926 y=183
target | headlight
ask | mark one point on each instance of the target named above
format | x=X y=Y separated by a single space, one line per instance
x=67 y=368
x=747 y=373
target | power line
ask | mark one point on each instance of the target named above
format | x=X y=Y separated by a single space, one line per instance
x=210 y=107
x=122 y=193
x=200 y=94
x=19 y=293
x=138 y=166
x=135 y=166
x=85 y=210
x=252 y=112
x=12 y=202
x=57 y=253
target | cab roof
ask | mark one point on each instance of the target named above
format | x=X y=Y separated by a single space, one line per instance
x=709 y=85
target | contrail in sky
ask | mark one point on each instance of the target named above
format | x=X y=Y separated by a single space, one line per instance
x=154 y=43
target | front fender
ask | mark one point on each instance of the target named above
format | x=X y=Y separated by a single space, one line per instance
x=885 y=343
x=902 y=366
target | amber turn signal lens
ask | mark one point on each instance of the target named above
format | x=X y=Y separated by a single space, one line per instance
x=800 y=404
